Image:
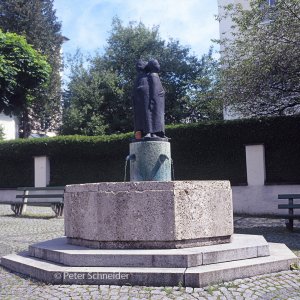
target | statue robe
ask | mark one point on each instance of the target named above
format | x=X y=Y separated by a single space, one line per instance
x=156 y=111
x=141 y=103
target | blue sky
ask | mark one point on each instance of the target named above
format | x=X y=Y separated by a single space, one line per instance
x=87 y=22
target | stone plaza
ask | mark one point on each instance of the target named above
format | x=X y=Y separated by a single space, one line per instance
x=39 y=225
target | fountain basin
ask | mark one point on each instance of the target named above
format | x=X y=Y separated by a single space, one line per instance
x=148 y=215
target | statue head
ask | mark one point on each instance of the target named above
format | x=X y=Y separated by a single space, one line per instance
x=141 y=65
x=153 y=66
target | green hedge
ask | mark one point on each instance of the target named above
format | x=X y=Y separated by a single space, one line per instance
x=202 y=151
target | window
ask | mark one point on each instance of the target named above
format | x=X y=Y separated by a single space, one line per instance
x=267 y=7
x=271 y=2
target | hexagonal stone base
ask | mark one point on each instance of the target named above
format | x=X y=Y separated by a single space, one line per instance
x=149 y=215
x=280 y=259
x=241 y=247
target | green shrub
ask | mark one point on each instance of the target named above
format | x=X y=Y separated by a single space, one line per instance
x=202 y=151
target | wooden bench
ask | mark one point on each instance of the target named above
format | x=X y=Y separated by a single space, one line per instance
x=39 y=196
x=291 y=216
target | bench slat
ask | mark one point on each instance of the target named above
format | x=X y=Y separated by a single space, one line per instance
x=289 y=196
x=49 y=188
x=31 y=203
x=41 y=196
x=289 y=217
x=288 y=206
x=36 y=203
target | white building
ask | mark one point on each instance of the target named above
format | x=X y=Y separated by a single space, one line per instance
x=10 y=126
x=225 y=24
x=225 y=30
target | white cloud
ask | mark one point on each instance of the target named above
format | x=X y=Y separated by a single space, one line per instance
x=87 y=22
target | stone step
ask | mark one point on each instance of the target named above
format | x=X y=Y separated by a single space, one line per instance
x=241 y=247
x=280 y=259
x=53 y=273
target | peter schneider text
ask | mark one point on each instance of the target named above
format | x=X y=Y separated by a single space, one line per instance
x=95 y=276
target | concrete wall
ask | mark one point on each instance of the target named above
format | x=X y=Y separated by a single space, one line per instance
x=8 y=194
x=10 y=125
x=259 y=200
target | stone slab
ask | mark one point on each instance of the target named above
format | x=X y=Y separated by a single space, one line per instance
x=280 y=259
x=130 y=245
x=149 y=214
x=145 y=185
x=57 y=274
x=241 y=247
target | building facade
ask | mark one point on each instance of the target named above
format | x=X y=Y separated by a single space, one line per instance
x=10 y=126
x=226 y=32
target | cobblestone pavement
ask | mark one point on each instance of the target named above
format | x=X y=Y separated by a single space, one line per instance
x=39 y=225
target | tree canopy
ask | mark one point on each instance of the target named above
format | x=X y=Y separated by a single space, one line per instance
x=2 y=135
x=36 y=20
x=261 y=64
x=23 y=71
x=99 y=92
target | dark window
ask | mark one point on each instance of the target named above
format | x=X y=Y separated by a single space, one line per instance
x=271 y=2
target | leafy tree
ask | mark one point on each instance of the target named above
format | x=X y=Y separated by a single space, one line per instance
x=1 y=133
x=104 y=88
x=23 y=71
x=36 y=20
x=261 y=64
x=84 y=100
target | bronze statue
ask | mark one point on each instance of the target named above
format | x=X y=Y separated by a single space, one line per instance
x=149 y=101
x=141 y=98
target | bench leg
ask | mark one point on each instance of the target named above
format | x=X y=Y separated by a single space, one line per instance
x=61 y=210
x=289 y=224
x=17 y=209
x=13 y=208
x=25 y=200
x=54 y=208
x=58 y=209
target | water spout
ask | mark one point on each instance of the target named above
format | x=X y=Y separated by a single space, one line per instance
x=128 y=158
x=172 y=169
x=162 y=158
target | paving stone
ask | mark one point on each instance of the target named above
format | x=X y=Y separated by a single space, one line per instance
x=189 y=290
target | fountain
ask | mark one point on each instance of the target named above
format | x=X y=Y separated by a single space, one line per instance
x=151 y=230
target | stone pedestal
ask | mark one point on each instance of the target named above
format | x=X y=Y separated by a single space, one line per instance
x=150 y=161
x=131 y=215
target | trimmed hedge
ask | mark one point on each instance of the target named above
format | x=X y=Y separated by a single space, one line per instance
x=202 y=151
